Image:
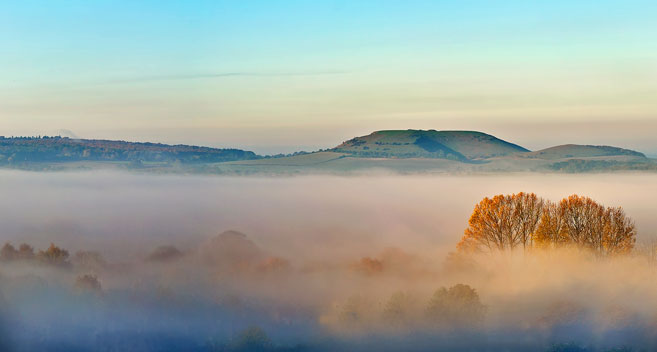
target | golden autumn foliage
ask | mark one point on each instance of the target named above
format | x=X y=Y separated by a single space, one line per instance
x=503 y=222
x=523 y=220
x=587 y=224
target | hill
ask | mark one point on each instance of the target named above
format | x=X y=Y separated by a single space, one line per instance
x=453 y=145
x=582 y=151
x=64 y=149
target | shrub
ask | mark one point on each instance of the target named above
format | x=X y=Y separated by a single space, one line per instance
x=88 y=283
x=456 y=307
x=165 y=254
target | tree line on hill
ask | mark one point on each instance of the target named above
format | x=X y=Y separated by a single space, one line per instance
x=63 y=149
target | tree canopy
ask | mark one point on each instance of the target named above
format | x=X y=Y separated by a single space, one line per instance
x=523 y=220
x=585 y=223
x=503 y=222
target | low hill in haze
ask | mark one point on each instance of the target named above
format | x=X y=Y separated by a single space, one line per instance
x=452 y=145
x=582 y=151
x=64 y=149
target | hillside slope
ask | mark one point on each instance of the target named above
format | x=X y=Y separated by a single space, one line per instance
x=582 y=151
x=452 y=145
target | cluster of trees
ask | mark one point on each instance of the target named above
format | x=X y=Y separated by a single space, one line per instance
x=53 y=255
x=457 y=307
x=366 y=152
x=283 y=155
x=58 y=257
x=524 y=220
x=88 y=283
x=581 y=165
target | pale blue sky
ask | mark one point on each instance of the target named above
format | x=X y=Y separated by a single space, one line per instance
x=283 y=75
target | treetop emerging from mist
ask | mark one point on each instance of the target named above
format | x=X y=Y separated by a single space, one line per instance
x=53 y=255
x=524 y=220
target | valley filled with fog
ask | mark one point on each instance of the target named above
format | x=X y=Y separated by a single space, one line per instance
x=127 y=214
x=308 y=262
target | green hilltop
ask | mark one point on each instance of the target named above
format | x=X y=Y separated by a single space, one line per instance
x=452 y=145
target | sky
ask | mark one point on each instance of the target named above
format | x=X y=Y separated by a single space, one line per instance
x=282 y=76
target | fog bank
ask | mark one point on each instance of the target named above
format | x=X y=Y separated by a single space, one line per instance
x=294 y=215
x=314 y=262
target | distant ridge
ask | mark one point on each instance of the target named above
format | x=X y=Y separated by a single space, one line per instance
x=64 y=149
x=397 y=151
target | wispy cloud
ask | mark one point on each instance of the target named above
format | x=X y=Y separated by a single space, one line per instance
x=192 y=76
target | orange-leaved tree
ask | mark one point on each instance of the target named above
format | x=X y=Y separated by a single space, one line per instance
x=582 y=222
x=503 y=222
x=54 y=256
